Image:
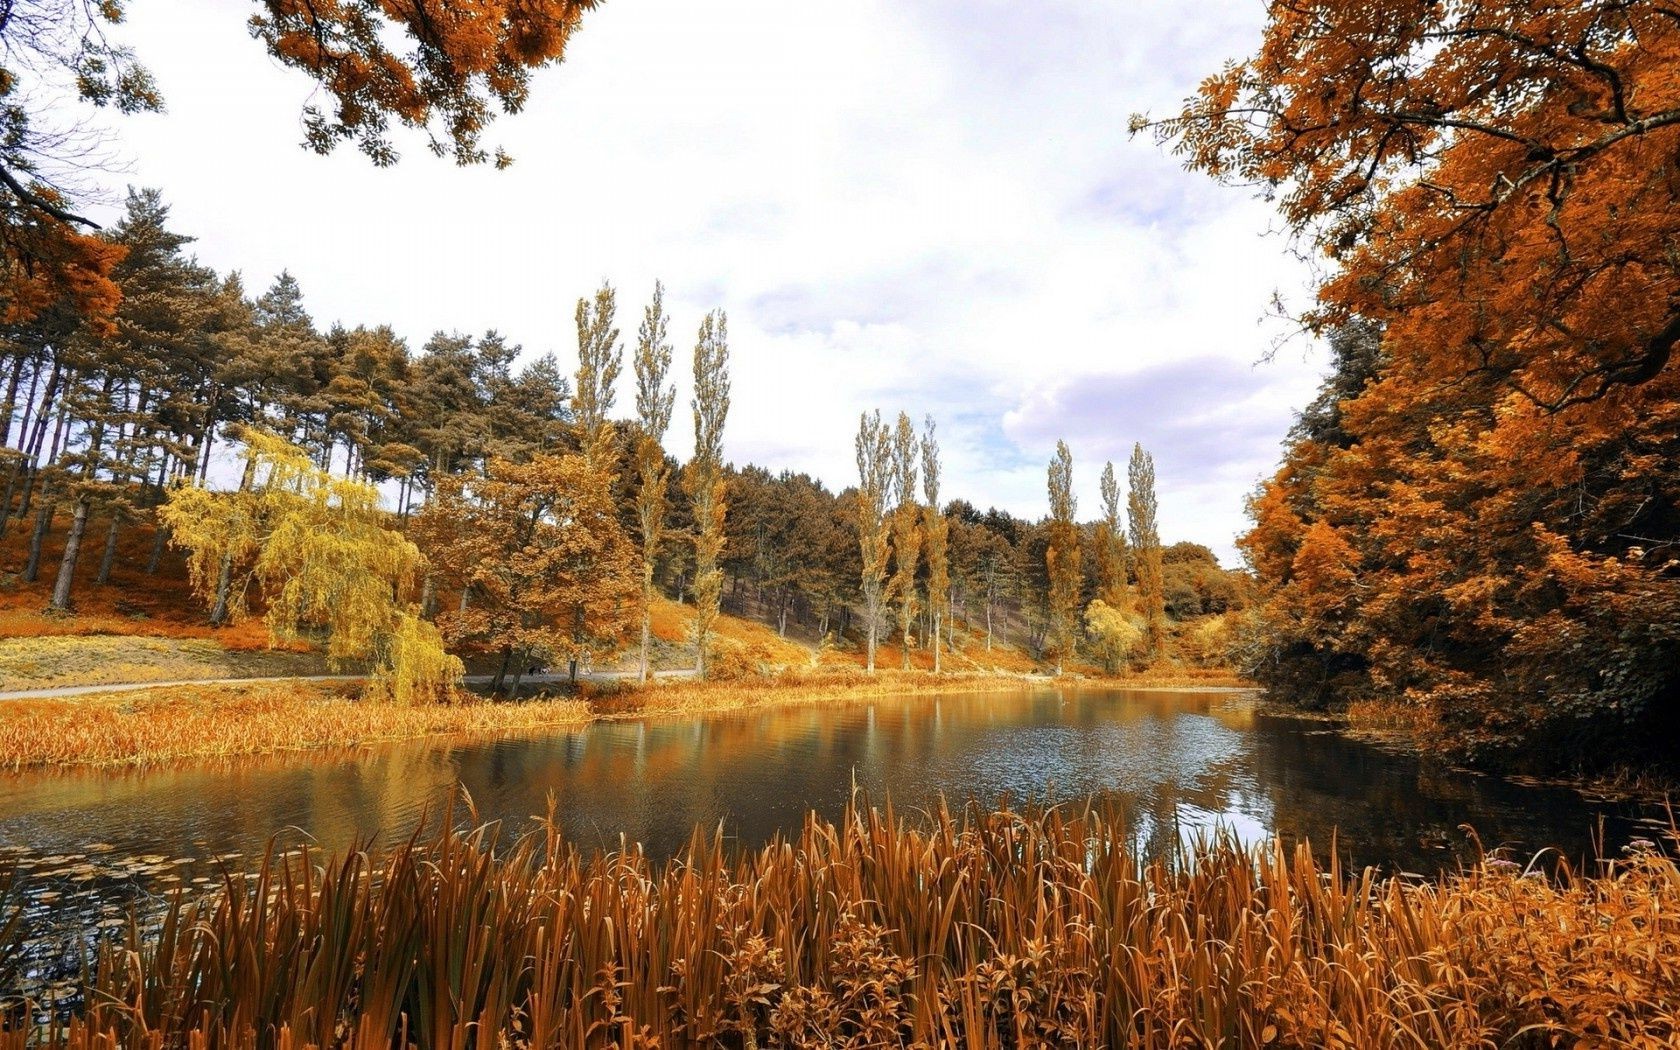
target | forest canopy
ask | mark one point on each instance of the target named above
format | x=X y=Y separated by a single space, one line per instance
x=1478 y=516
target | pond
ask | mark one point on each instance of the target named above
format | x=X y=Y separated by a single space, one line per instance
x=91 y=843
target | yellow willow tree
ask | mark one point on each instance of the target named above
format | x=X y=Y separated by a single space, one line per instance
x=937 y=532
x=906 y=531
x=318 y=550
x=1062 y=558
x=874 y=455
x=704 y=477
x=654 y=402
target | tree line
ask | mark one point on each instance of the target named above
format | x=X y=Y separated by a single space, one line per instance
x=544 y=524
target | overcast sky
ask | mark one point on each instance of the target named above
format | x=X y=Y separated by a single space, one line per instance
x=928 y=206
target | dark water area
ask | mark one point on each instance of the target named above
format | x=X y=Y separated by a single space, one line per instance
x=92 y=844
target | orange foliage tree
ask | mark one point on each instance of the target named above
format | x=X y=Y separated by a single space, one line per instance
x=1480 y=513
x=543 y=567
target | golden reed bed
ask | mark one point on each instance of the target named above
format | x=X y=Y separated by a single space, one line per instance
x=185 y=723
x=980 y=929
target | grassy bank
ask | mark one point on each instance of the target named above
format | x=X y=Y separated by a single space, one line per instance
x=985 y=929
x=220 y=721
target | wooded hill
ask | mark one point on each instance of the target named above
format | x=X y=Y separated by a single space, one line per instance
x=469 y=445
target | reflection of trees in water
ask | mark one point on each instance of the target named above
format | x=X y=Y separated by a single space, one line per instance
x=1398 y=811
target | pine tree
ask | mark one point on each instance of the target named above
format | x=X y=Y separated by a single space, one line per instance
x=874 y=458
x=1062 y=557
x=1146 y=546
x=937 y=531
x=704 y=476
x=654 y=403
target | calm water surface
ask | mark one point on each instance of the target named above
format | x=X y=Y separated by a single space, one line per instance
x=91 y=843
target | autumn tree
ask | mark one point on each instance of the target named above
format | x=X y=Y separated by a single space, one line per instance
x=1062 y=557
x=321 y=553
x=1111 y=544
x=600 y=358
x=704 y=476
x=654 y=403
x=1115 y=632
x=874 y=447
x=1474 y=516
x=1146 y=547
x=536 y=550
x=906 y=530
x=936 y=530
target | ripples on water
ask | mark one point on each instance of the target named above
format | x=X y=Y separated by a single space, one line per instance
x=91 y=844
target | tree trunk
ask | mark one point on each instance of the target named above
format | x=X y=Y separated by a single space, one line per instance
x=518 y=673
x=988 y=625
x=43 y=522
x=110 y=556
x=874 y=617
x=501 y=672
x=72 y=548
x=935 y=643
x=160 y=540
x=220 y=611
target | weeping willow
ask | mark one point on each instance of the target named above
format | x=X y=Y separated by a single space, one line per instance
x=318 y=549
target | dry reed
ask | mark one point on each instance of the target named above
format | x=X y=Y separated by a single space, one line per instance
x=193 y=722
x=981 y=929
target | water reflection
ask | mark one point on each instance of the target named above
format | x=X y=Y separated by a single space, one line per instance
x=1174 y=761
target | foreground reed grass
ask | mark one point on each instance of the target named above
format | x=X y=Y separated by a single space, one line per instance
x=183 y=723
x=983 y=929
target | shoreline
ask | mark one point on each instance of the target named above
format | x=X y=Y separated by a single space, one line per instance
x=175 y=724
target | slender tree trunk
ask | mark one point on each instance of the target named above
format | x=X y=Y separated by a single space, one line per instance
x=221 y=610
x=518 y=673
x=501 y=672
x=988 y=625
x=72 y=548
x=110 y=556
x=9 y=411
x=159 y=541
x=874 y=617
x=935 y=643
x=43 y=522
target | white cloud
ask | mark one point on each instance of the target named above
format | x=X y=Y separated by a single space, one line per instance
x=933 y=208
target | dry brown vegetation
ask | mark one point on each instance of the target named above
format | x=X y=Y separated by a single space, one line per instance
x=983 y=929
x=218 y=721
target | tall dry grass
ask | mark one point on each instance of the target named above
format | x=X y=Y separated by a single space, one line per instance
x=979 y=929
x=192 y=722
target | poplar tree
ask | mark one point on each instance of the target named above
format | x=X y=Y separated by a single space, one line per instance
x=654 y=402
x=704 y=477
x=874 y=456
x=600 y=358
x=1062 y=558
x=1146 y=546
x=937 y=531
x=906 y=531
x=1111 y=544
